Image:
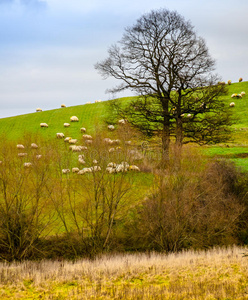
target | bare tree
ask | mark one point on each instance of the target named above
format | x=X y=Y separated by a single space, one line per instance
x=163 y=60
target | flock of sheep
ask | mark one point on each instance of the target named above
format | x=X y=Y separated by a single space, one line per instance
x=111 y=168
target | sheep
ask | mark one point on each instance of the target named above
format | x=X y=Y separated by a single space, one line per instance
x=242 y=94
x=232 y=104
x=81 y=160
x=96 y=101
x=20 y=146
x=88 y=142
x=34 y=146
x=94 y=161
x=63 y=105
x=22 y=154
x=111 y=127
x=116 y=142
x=27 y=164
x=38 y=109
x=83 y=129
x=96 y=168
x=222 y=82
x=72 y=141
x=67 y=139
x=60 y=135
x=229 y=81
x=128 y=142
x=87 y=137
x=38 y=156
x=75 y=148
x=240 y=79
x=110 y=170
x=75 y=170
x=65 y=171
x=189 y=115
x=74 y=119
x=88 y=102
x=111 y=165
x=67 y=124
x=43 y=125
x=122 y=121
x=85 y=170
x=234 y=95
x=134 y=168
x=111 y=150
x=108 y=141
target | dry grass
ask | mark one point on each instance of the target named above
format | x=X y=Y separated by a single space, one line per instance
x=212 y=274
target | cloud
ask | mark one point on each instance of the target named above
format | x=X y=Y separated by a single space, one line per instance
x=34 y=3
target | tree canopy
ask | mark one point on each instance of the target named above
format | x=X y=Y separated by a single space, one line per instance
x=162 y=60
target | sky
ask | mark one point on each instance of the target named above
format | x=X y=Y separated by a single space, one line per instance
x=48 y=48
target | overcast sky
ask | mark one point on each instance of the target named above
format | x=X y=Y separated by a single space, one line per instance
x=48 y=48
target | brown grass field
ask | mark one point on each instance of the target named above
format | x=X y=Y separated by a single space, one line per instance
x=213 y=274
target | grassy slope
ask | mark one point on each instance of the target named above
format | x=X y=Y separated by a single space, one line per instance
x=92 y=115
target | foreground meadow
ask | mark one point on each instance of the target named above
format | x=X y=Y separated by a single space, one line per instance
x=213 y=274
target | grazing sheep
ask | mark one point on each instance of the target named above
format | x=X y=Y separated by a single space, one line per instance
x=108 y=141
x=110 y=170
x=75 y=148
x=67 y=139
x=189 y=115
x=96 y=168
x=94 y=161
x=232 y=104
x=182 y=115
x=81 y=160
x=22 y=154
x=122 y=121
x=43 y=125
x=134 y=168
x=74 y=119
x=38 y=109
x=27 y=164
x=65 y=171
x=240 y=79
x=111 y=165
x=88 y=102
x=85 y=170
x=20 y=146
x=63 y=105
x=88 y=142
x=73 y=141
x=128 y=142
x=96 y=101
x=87 y=137
x=111 y=150
x=116 y=142
x=242 y=94
x=67 y=124
x=34 y=146
x=111 y=127
x=60 y=135
x=229 y=81
x=83 y=129
x=234 y=95
x=38 y=156
x=75 y=170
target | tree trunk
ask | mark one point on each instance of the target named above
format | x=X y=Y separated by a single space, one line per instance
x=165 y=144
x=179 y=133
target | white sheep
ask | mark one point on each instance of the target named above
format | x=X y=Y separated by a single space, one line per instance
x=108 y=141
x=88 y=142
x=96 y=168
x=189 y=115
x=67 y=139
x=111 y=150
x=27 y=164
x=232 y=104
x=128 y=142
x=60 y=135
x=242 y=94
x=43 y=125
x=66 y=171
x=81 y=160
x=38 y=109
x=75 y=148
x=134 y=168
x=72 y=141
x=67 y=124
x=38 y=156
x=122 y=121
x=116 y=142
x=111 y=127
x=63 y=105
x=75 y=170
x=87 y=137
x=88 y=102
x=110 y=170
x=83 y=129
x=85 y=170
x=22 y=154
x=111 y=165
x=74 y=119
x=34 y=146
x=96 y=101
x=20 y=146
x=94 y=161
